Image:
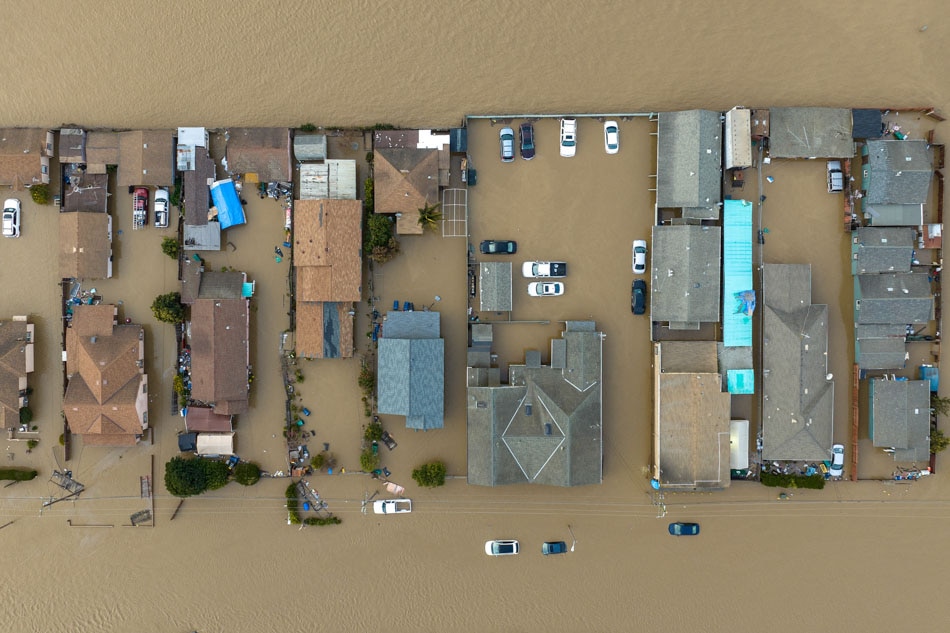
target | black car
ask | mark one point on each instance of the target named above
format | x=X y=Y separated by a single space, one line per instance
x=527 y=141
x=638 y=297
x=498 y=247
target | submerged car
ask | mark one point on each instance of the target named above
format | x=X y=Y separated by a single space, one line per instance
x=527 y=140
x=611 y=137
x=639 y=257
x=684 y=529
x=11 y=218
x=553 y=547
x=495 y=247
x=544 y=269
x=507 y=139
x=638 y=297
x=160 y=208
x=501 y=548
x=568 y=137
x=837 y=460
x=546 y=289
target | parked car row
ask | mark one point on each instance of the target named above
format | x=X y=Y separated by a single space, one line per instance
x=512 y=548
x=568 y=139
x=160 y=208
x=11 y=218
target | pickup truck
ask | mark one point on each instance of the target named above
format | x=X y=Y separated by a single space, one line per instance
x=392 y=506
x=835 y=177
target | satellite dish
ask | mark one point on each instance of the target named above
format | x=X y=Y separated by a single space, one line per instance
x=829 y=376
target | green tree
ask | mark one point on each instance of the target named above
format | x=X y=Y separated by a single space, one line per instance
x=431 y=475
x=373 y=431
x=40 y=193
x=938 y=441
x=185 y=477
x=367 y=379
x=170 y=247
x=26 y=415
x=167 y=308
x=17 y=474
x=430 y=216
x=216 y=473
x=247 y=473
x=379 y=231
x=941 y=406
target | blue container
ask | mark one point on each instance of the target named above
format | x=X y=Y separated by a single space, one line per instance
x=306 y=411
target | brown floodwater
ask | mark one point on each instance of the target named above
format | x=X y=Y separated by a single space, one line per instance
x=856 y=556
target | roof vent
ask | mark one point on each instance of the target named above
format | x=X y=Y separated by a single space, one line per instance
x=93 y=339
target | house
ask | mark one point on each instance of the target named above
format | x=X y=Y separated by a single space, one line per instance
x=882 y=250
x=798 y=393
x=146 y=158
x=260 y=154
x=328 y=268
x=87 y=192
x=899 y=417
x=867 y=123
x=406 y=177
x=544 y=427
x=411 y=369
x=898 y=299
x=333 y=178
x=494 y=284
x=192 y=141
x=689 y=162
x=199 y=233
x=106 y=401
x=896 y=180
x=205 y=420
x=215 y=444
x=691 y=417
x=810 y=133
x=880 y=345
x=102 y=150
x=85 y=244
x=310 y=147
x=17 y=337
x=72 y=146
x=685 y=288
x=24 y=157
x=219 y=341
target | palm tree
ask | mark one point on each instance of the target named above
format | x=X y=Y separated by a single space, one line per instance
x=430 y=216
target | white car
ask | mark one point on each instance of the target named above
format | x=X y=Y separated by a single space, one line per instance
x=501 y=548
x=544 y=269
x=506 y=139
x=392 y=506
x=568 y=137
x=546 y=289
x=11 y=218
x=837 y=460
x=160 y=208
x=611 y=137
x=639 y=257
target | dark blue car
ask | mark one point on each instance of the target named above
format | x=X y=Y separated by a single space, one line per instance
x=684 y=529
x=553 y=547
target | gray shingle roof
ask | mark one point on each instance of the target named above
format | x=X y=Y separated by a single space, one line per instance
x=899 y=172
x=900 y=417
x=411 y=369
x=798 y=397
x=810 y=133
x=901 y=298
x=689 y=159
x=880 y=346
x=882 y=250
x=686 y=273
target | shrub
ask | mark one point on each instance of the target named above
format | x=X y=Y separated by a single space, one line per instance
x=178 y=384
x=373 y=432
x=17 y=474
x=369 y=201
x=773 y=480
x=938 y=441
x=247 y=473
x=31 y=444
x=167 y=308
x=322 y=521
x=175 y=197
x=369 y=461
x=26 y=415
x=298 y=375
x=170 y=247
x=318 y=461
x=379 y=231
x=431 y=475
x=369 y=158
x=382 y=254
x=62 y=439
x=308 y=127
x=40 y=193
x=367 y=380
x=293 y=504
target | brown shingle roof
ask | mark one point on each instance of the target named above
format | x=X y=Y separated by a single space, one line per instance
x=146 y=157
x=205 y=420
x=328 y=249
x=102 y=148
x=309 y=337
x=13 y=367
x=262 y=150
x=91 y=193
x=106 y=397
x=22 y=156
x=197 y=192
x=84 y=246
x=405 y=179
x=219 y=354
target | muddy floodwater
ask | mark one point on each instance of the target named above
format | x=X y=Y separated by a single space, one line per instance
x=855 y=556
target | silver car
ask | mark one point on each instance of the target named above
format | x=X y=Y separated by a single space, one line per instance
x=501 y=548
x=11 y=218
x=507 y=139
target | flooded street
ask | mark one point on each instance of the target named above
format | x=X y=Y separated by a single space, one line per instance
x=229 y=561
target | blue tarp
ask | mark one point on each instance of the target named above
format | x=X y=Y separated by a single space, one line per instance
x=928 y=372
x=737 y=274
x=226 y=200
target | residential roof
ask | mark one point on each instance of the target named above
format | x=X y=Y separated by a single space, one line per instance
x=196 y=189
x=405 y=179
x=689 y=159
x=205 y=420
x=494 y=286
x=87 y=192
x=221 y=285
x=810 y=133
x=880 y=346
x=900 y=298
x=692 y=416
x=219 y=354
x=16 y=361
x=106 y=398
x=190 y=280
x=867 y=124
x=898 y=172
x=23 y=153
x=324 y=330
x=685 y=275
x=264 y=151
x=798 y=393
x=102 y=149
x=893 y=214
x=328 y=240
x=202 y=237
x=309 y=147
x=900 y=417
x=546 y=427
x=411 y=372
x=334 y=179
x=411 y=325
x=72 y=146
x=215 y=444
x=146 y=157
x=85 y=245
x=882 y=250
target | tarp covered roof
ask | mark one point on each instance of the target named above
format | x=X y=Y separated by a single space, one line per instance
x=225 y=197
